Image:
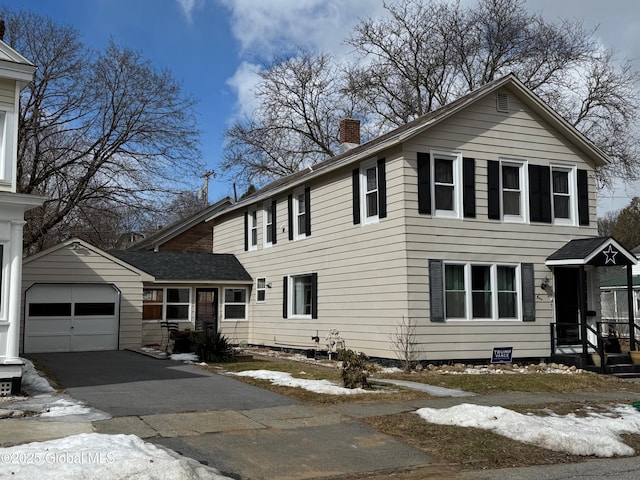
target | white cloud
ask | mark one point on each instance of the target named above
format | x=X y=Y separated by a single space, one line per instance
x=188 y=7
x=244 y=82
x=272 y=26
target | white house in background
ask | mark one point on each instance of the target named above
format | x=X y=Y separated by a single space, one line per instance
x=15 y=73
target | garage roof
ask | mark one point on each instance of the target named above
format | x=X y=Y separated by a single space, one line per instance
x=182 y=266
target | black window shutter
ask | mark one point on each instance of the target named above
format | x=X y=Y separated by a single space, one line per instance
x=424 y=183
x=307 y=212
x=355 y=181
x=469 y=187
x=314 y=295
x=528 y=292
x=583 y=198
x=493 y=189
x=285 y=300
x=290 y=215
x=275 y=223
x=382 y=189
x=246 y=231
x=540 y=193
x=436 y=290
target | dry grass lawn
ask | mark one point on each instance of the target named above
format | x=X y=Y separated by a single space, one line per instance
x=453 y=448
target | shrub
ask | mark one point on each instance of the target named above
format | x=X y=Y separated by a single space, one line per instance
x=355 y=368
x=212 y=346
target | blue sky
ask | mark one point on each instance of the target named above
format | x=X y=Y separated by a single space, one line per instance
x=214 y=46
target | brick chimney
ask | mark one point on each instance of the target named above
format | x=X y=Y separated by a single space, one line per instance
x=349 y=134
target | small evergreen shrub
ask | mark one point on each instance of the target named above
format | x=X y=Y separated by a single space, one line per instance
x=212 y=346
x=355 y=368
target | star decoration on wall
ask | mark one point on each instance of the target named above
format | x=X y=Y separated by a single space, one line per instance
x=610 y=255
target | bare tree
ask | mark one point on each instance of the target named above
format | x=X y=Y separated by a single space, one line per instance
x=299 y=104
x=405 y=343
x=98 y=130
x=424 y=54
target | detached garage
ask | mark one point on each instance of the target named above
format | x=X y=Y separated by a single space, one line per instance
x=71 y=318
x=77 y=297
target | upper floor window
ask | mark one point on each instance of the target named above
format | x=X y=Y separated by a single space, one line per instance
x=268 y=214
x=446 y=189
x=563 y=195
x=253 y=229
x=299 y=209
x=369 y=192
x=513 y=191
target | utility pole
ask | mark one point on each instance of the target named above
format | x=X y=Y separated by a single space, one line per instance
x=206 y=176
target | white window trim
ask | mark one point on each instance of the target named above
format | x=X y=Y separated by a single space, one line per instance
x=225 y=303
x=260 y=289
x=573 y=195
x=164 y=304
x=494 y=292
x=265 y=218
x=4 y=284
x=524 y=191
x=364 y=166
x=295 y=207
x=253 y=227
x=6 y=170
x=290 y=297
x=457 y=184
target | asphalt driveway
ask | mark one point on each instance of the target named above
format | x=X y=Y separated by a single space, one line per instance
x=124 y=383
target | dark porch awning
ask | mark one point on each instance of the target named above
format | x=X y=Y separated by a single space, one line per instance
x=598 y=251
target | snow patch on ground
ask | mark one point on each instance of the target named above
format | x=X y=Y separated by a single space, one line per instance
x=286 y=380
x=184 y=357
x=597 y=434
x=32 y=382
x=108 y=457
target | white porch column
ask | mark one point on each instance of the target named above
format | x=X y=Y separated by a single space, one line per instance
x=15 y=287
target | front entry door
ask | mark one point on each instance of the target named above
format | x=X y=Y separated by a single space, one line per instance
x=207 y=309
x=567 y=296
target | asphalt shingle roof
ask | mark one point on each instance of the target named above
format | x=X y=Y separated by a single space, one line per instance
x=580 y=248
x=186 y=265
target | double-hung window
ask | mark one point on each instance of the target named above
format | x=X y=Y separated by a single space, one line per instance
x=261 y=289
x=177 y=304
x=563 y=195
x=299 y=214
x=513 y=191
x=5 y=170
x=481 y=291
x=235 y=304
x=446 y=190
x=253 y=229
x=369 y=189
x=269 y=227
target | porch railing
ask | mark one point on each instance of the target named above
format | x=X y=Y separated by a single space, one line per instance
x=606 y=333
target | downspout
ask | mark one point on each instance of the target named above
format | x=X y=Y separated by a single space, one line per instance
x=632 y=326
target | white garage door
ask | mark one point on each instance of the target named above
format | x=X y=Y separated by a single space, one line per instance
x=71 y=318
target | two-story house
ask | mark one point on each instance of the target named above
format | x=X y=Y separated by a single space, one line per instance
x=475 y=225
x=15 y=73
x=459 y=224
